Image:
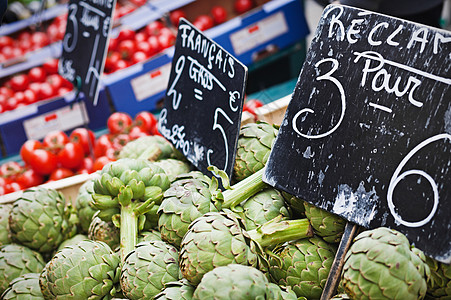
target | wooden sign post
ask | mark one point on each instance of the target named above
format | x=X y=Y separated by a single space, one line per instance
x=204 y=100
x=85 y=44
x=367 y=134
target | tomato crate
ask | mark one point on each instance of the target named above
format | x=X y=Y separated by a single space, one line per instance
x=65 y=113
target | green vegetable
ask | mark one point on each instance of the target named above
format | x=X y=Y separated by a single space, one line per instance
x=24 y=287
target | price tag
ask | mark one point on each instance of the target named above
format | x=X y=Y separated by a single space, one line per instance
x=85 y=43
x=367 y=133
x=151 y=83
x=204 y=100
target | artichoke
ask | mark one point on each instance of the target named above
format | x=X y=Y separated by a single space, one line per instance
x=236 y=282
x=24 y=287
x=73 y=241
x=178 y=290
x=152 y=148
x=263 y=207
x=41 y=219
x=439 y=287
x=295 y=204
x=83 y=206
x=102 y=231
x=325 y=224
x=254 y=145
x=87 y=270
x=148 y=268
x=193 y=194
x=126 y=190
x=381 y=265
x=303 y=265
x=5 y=236
x=218 y=239
x=149 y=236
x=16 y=260
x=173 y=167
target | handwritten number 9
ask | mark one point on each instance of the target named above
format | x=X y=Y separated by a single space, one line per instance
x=218 y=126
x=397 y=177
x=337 y=83
x=71 y=18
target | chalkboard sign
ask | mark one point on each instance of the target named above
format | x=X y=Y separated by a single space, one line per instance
x=204 y=100
x=367 y=134
x=85 y=44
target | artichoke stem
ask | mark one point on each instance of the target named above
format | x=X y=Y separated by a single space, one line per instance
x=243 y=190
x=129 y=229
x=276 y=231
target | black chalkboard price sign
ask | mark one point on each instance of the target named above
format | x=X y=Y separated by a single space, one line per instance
x=204 y=100
x=85 y=44
x=367 y=134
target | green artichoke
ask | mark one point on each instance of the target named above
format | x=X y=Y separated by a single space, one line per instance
x=439 y=287
x=87 y=270
x=152 y=148
x=303 y=265
x=16 y=260
x=83 y=206
x=295 y=204
x=236 y=282
x=173 y=167
x=263 y=207
x=24 y=287
x=254 y=145
x=41 y=219
x=193 y=194
x=148 y=268
x=149 y=236
x=5 y=236
x=218 y=239
x=381 y=265
x=178 y=290
x=106 y=232
x=325 y=224
x=126 y=190
x=73 y=241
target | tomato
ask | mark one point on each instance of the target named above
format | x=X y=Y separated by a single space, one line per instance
x=121 y=64
x=176 y=15
x=86 y=166
x=166 y=40
x=126 y=34
x=136 y=132
x=55 y=139
x=26 y=151
x=10 y=169
x=30 y=178
x=60 y=173
x=40 y=39
x=13 y=187
x=71 y=155
x=56 y=81
x=6 y=41
x=145 y=121
x=43 y=161
x=85 y=137
x=11 y=103
x=219 y=14
x=126 y=48
x=46 y=91
x=145 y=47
x=111 y=61
x=154 y=28
x=37 y=74
x=203 y=22
x=154 y=44
x=51 y=66
x=141 y=36
x=102 y=144
x=100 y=162
x=30 y=96
x=242 y=6
x=112 y=45
x=6 y=91
x=120 y=141
x=19 y=82
x=138 y=56
x=20 y=97
x=118 y=122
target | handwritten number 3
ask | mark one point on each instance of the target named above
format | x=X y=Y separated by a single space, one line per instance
x=73 y=19
x=337 y=83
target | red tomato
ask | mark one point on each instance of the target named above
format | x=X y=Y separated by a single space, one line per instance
x=26 y=151
x=63 y=90
x=20 y=97
x=100 y=162
x=242 y=6
x=112 y=45
x=138 y=56
x=51 y=66
x=46 y=91
x=111 y=61
x=145 y=47
x=6 y=91
x=118 y=122
x=85 y=137
x=145 y=120
x=55 y=139
x=136 y=133
x=120 y=141
x=219 y=14
x=11 y=103
x=121 y=64
x=126 y=48
x=30 y=178
x=10 y=169
x=43 y=161
x=19 y=82
x=203 y=22
x=37 y=74
x=40 y=39
x=30 y=96
x=176 y=15
x=166 y=40
x=56 y=81
x=141 y=36
x=112 y=153
x=86 y=166
x=154 y=28
x=13 y=187
x=71 y=156
x=126 y=34
x=103 y=143
x=60 y=173
x=6 y=41
x=154 y=45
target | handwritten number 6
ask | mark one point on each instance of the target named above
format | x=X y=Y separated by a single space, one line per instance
x=72 y=18
x=337 y=83
x=216 y=125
